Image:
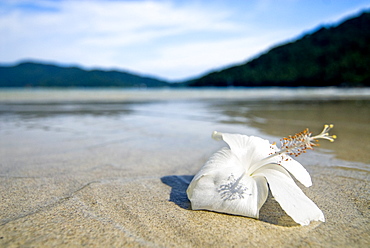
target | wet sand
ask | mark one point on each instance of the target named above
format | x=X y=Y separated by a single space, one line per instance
x=115 y=174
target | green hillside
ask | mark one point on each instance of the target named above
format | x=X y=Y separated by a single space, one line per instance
x=30 y=74
x=331 y=56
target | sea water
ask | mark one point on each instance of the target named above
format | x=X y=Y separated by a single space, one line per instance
x=274 y=112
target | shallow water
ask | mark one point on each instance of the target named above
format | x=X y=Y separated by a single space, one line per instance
x=351 y=120
x=117 y=164
x=271 y=112
x=102 y=115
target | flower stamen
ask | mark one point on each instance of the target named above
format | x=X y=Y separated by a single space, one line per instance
x=297 y=144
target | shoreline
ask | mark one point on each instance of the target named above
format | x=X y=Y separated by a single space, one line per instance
x=121 y=95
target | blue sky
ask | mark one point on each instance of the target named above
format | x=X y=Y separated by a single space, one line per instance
x=170 y=39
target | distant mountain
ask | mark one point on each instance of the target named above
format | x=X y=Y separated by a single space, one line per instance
x=30 y=74
x=331 y=56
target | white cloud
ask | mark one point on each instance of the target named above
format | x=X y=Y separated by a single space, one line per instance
x=97 y=33
x=178 y=60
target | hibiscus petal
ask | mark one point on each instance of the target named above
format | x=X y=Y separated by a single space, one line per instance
x=223 y=160
x=297 y=170
x=290 y=197
x=262 y=190
x=218 y=187
x=249 y=149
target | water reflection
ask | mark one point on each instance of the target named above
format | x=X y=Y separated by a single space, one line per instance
x=281 y=118
x=274 y=117
x=54 y=109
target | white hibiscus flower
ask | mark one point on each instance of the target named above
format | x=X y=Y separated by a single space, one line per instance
x=235 y=180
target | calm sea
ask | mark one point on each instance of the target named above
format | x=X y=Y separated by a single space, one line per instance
x=273 y=112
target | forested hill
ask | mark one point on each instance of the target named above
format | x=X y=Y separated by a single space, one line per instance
x=331 y=56
x=31 y=74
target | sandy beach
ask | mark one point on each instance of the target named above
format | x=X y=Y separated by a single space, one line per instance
x=114 y=173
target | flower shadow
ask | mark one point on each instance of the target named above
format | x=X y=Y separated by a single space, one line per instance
x=178 y=184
